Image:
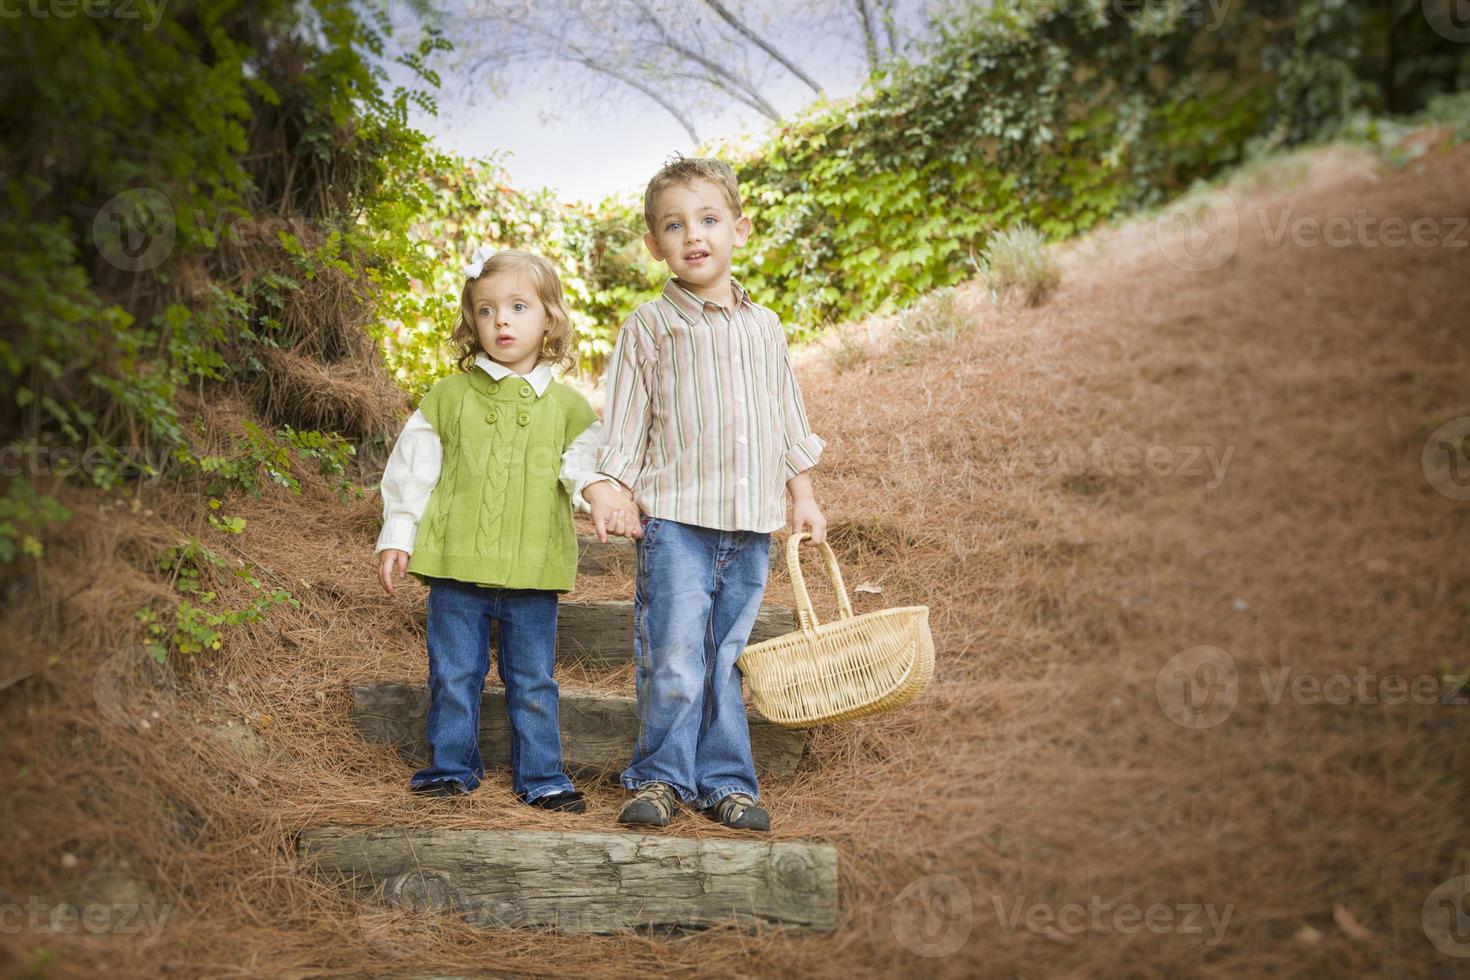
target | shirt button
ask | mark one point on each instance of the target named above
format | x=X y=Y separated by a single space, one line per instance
x=742 y=440
x=744 y=482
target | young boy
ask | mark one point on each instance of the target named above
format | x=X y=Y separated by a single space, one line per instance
x=704 y=427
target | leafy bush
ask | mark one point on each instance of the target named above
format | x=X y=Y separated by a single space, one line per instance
x=1058 y=118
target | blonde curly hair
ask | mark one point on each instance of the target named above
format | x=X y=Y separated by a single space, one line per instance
x=559 y=346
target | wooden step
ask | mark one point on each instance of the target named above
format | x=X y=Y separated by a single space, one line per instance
x=580 y=883
x=600 y=634
x=598 y=731
x=617 y=554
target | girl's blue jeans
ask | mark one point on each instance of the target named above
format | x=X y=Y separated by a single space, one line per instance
x=459 y=658
x=697 y=595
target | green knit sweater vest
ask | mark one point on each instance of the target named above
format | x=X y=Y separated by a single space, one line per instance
x=499 y=515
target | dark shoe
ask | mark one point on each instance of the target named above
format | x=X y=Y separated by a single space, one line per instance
x=655 y=805
x=562 y=802
x=445 y=787
x=740 y=812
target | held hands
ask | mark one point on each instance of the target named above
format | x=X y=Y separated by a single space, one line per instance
x=613 y=511
x=392 y=563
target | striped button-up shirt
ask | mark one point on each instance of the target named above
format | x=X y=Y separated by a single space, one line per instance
x=704 y=421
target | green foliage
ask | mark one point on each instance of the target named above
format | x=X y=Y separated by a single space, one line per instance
x=598 y=252
x=136 y=162
x=1057 y=119
x=24 y=517
x=195 y=622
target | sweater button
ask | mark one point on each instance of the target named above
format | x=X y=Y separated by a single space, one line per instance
x=491 y=417
x=525 y=392
x=523 y=418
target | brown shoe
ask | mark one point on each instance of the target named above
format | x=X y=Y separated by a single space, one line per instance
x=740 y=812
x=655 y=805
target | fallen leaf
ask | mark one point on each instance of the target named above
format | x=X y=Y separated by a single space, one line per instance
x=1308 y=936
x=1350 y=926
x=870 y=588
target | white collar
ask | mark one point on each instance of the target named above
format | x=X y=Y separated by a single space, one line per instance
x=539 y=377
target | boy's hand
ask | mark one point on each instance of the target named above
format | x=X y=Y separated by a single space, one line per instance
x=613 y=511
x=392 y=563
x=805 y=514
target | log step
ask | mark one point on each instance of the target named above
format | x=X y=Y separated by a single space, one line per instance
x=598 y=731
x=581 y=883
x=600 y=634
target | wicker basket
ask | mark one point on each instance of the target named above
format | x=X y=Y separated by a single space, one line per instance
x=827 y=672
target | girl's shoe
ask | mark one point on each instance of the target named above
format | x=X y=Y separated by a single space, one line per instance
x=444 y=787
x=563 y=801
x=740 y=812
x=654 y=805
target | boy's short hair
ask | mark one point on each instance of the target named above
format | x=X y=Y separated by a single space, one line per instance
x=685 y=170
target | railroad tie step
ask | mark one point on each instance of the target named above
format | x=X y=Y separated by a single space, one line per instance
x=581 y=883
x=598 y=731
x=600 y=634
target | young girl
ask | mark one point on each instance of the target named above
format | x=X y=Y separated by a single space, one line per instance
x=479 y=491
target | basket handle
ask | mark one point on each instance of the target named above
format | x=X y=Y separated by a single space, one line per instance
x=804 y=612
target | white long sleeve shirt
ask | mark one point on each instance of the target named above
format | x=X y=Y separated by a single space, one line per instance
x=418 y=456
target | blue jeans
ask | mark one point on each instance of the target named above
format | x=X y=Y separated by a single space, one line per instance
x=697 y=596
x=459 y=652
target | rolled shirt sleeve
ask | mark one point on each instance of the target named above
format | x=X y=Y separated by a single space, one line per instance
x=629 y=402
x=408 y=480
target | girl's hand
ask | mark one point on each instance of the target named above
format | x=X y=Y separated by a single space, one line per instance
x=613 y=511
x=392 y=563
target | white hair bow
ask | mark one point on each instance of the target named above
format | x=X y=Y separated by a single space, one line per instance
x=477 y=262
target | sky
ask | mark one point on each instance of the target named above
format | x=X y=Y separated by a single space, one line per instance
x=589 y=148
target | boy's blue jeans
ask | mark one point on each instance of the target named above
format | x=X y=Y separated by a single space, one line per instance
x=459 y=657
x=696 y=600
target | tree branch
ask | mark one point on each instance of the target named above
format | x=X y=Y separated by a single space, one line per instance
x=729 y=17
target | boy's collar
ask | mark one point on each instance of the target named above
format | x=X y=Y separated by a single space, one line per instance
x=539 y=376
x=691 y=306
